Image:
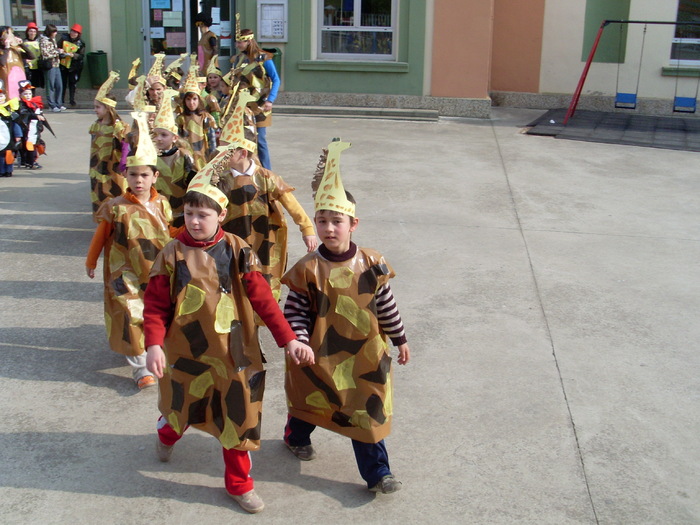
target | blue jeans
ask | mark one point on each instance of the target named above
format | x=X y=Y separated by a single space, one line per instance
x=263 y=151
x=54 y=87
x=372 y=458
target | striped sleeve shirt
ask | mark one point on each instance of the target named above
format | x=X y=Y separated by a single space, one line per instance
x=298 y=314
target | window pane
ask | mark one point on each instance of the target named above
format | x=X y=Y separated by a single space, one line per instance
x=376 y=13
x=54 y=12
x=22 y=12
x=338 y=12
x=688 y=11
x=685 y=50
x=357 y=42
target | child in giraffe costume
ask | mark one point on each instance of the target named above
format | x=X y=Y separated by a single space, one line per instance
x=341 y=303
x=201 y=334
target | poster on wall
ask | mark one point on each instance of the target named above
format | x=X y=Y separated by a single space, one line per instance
x=225 y=37
x=160 y=4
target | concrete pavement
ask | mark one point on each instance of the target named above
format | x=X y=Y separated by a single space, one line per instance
x=550 y=291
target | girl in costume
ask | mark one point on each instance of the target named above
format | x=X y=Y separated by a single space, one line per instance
x=216 y=86
x=204 y=291
x=254 y=69
x=10 y=133
x=195 y=124
x=108 y=148
x=31 y=120
x=340 y=303
x=175 y=162
x=31 y=67
x=13 y=52
x=208 y=45
x=132 y=229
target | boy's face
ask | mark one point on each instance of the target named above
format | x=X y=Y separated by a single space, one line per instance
x=27 y=94
x=3 y=98
x=213 y=81
x=334 y=229
x=202 y=223
x=155 y=92
x=163 y=139
x=140 y=179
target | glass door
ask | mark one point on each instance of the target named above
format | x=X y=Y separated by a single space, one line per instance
x=167 y=28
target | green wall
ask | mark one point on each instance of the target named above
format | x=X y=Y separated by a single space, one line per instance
x=609 y=49
x=79 y=13
x=127 y=41
x=302 y=73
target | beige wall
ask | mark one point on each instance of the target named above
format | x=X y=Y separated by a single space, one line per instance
x=517 y=45
x=562 y=51
x=461 y=70
x=100 y=28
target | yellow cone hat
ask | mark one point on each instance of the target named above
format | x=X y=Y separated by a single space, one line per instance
x=140 y=102
x=213 y=67
x=106 y=88
x=240 y=37
x=215 y=168
x=191 y=84
x=233 y=131
x=171 y=69
x=165 y=118
x=331 y=193
x=146 y=154
x=156 y=72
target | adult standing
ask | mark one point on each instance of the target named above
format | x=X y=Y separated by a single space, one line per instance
x=51 y=53
x=12 y=54
x=72 y=64
x=255 y=71
x=208 y=44
x=31 y=69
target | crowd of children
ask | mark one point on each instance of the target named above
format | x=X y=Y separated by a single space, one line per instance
x=194 y=237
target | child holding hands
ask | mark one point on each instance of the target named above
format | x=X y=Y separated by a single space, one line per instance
x=201 y=335
x=132 y=229
x=340 y=302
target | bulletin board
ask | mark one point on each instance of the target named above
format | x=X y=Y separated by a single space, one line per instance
x=272 y=21
x=168 y=27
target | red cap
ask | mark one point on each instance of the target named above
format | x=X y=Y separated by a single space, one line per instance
x=77 y=28
x=32 y=25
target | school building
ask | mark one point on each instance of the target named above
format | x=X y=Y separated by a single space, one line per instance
x=455 y=56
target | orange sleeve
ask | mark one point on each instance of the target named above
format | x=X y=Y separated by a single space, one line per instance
x=99 y=239
x=299 y=216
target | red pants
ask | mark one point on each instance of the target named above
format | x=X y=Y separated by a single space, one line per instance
x=237 y=462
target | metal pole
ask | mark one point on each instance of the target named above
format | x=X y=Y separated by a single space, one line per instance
x=584 y=74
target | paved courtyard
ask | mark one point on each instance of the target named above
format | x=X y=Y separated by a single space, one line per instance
x=550 y=290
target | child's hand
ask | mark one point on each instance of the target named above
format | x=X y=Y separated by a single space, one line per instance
x=311 y=242
x=90 y=272
x=155 y=360
x=404 y=354
x=299 y=352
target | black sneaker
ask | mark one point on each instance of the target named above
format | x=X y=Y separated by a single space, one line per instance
x=305 y=453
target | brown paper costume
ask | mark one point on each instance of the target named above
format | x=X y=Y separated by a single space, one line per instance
x=252 y=76
x=349 y=388
x=140 y=232
x=256 y=215
x=214 y=380
x=106 y=181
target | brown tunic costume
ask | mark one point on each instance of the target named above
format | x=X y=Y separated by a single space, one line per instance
x=348 y=390
x=195 y=129
x=252 y=76
x=140 y=232
x=255 y=214
x=175 y=170
x=214 y=379
x=106 y=181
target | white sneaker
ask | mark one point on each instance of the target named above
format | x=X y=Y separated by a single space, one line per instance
x=56 y=110
x=249 y=502
x=62 y=108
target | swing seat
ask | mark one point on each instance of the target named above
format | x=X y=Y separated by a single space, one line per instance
x=626 y=100
x=684 y=105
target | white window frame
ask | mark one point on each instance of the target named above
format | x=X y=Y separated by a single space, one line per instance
x=39 y=17
x=393 y=29
x=680 y=61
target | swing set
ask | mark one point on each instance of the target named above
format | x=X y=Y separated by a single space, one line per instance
x=628 y=100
